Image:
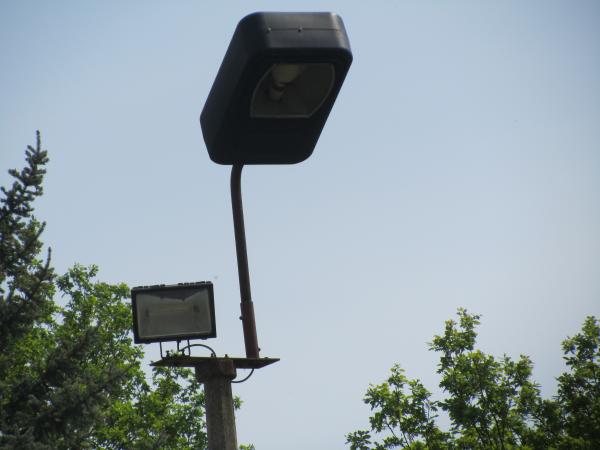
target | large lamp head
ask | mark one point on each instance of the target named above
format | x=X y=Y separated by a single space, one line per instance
x=275 y=89
x=176 y=312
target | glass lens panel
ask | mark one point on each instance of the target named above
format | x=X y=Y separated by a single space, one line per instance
x=177 y=313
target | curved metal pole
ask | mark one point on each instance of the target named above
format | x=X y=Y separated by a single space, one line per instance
x=246 y=305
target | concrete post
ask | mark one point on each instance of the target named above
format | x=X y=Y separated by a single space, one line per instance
x=220 y=419
x=216 y=374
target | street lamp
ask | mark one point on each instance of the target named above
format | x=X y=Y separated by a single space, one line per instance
x=275 y=89
x=268 y=105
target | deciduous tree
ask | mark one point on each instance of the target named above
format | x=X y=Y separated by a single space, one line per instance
x=492 y=403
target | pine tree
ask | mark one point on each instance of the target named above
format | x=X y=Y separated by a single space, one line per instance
x=26 y=290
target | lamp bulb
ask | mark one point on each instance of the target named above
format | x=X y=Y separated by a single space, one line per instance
x=282 y=75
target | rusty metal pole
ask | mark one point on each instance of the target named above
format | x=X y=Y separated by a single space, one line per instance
x=246 y=305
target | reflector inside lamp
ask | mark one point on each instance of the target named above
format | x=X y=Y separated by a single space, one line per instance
x=292 y=90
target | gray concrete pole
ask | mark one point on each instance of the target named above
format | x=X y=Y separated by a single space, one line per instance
x=220 y=418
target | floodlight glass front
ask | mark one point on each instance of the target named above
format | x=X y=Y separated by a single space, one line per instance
x=292 y=90
x=176 y=312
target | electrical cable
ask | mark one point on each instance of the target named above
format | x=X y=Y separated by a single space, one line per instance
x=241 y=381
x=212 y=352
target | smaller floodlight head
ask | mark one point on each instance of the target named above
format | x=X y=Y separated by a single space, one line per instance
x=275 y=89
x=175 y=312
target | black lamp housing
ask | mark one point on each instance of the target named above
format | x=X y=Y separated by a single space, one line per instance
x=173 y=312
x=275 y=88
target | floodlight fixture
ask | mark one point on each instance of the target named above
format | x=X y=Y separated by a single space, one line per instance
x=173 y=312
x=275 y=88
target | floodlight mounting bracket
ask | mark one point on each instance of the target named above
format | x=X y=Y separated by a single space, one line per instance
x=208 y=367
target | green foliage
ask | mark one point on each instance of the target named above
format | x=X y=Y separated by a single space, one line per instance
x=579 y=389
x=70 y=376
x=26 y=283
x=166 y=415
x=404 y=409
x=491 y=403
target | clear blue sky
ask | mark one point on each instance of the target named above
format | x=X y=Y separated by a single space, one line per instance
x=460 y=166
